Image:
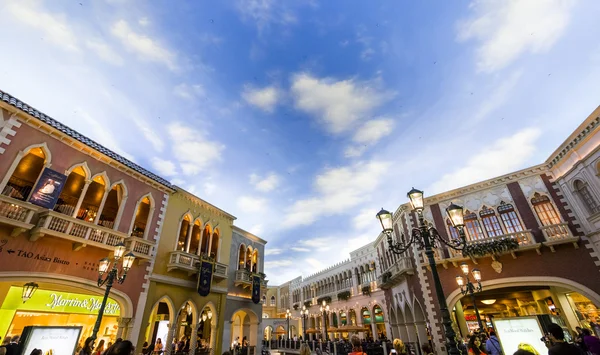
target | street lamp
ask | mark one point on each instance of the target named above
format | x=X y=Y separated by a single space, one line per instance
x=426 y=237
x=325 y=310
x=469 y=288
x=288 y=315
x=112 y=275
x=304 y=313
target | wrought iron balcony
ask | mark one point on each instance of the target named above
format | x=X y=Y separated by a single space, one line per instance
x=396 y=273
x=559 y=234
x=180 y=260
x=243 y=278
x=83 y=233
x=17 y=214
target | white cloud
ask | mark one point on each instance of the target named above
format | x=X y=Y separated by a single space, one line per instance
x=338 y=190
x=209 y=188
x=497 y=98
x=354 y=151
x=189 y=92
x=177 y=181
x=273 y=251
x=299 y=249
x=145 y=47
x=315 y=264
x=372 y=131
x=104 y=51
x=277 y=263
x=249 y=204
x=150 y=135
x=507 y=29
x=365 y=219
x=266 y=12
x=192 y=149
x=54 y=27
x=265 y=98
x=265 y=184
x=144 y=21
x=101 y=133
x=501 y=157
x=340 y=105
x=256 y=229
x=163 y=167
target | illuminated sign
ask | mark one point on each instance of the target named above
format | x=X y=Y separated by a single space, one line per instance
x=59 y=302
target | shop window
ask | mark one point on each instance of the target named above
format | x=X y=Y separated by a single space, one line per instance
x=509 y=217
x=71 y=192
x=92 y=199
x=272 y=301
x=112 y=206
x=490 y=222
x=196 y=238
x=587 y=313
x=474 y=231
x=183 y=233
x=545 y=210
x=242 y=257
x=454 y=235
x=214 y=246
x=586 y=196
x=26 y=173
x=142 y=215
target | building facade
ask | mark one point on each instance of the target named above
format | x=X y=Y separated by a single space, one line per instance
x=65 y=203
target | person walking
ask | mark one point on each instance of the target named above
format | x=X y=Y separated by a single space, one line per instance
x=557 y=344
x=492 y=345
x=475 y=346
x=87 y=347
x=398 y=347
x=591 y=342
x=100 y=348
x=13 y=347
x=124 y=347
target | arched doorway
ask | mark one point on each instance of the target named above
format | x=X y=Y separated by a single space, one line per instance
x=244 y=328
x=367 y=321
x=280 y=332
x=379 y=321
x=207 y=329
x=160 y=319
x=184 y=327
x=268 y=333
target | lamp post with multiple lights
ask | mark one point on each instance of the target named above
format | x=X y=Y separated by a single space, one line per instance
x=288 y=315
x=469 y=288
x=426 y=238
x=325 y=310
x=112 y=275
x=304 y=313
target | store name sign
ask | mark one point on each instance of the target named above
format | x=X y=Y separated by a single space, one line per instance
x=91 y=304
x=59 y=302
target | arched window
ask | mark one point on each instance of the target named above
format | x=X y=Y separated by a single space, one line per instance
x=474 y=231
x=545 y=210
x=92 y=199
x=241 y=257
x=490 y=222
x=255 y=261
x=586 y=197
x=113 y=204
x=26 y=173
x=272 y=301
x=205 y=240
x=71 y=192
x=264 y=300
x=184 y=228
x=214 y=246
x=453 y=232
x=249 y=258
x=142 y=214
x=196 y=236
x=509 y=218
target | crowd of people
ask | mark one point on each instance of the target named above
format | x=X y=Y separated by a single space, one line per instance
x=12 y=346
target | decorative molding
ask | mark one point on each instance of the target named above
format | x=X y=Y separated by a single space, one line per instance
x=8 y=129
x=205 y=206
x=573 y=141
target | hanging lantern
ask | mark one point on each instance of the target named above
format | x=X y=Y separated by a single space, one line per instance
x=29 y=290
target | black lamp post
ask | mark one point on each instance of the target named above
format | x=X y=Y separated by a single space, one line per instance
x=288 y=315
x=304 y=313
x=325 y=310
x=426 y=238
x=469 y=288
x=111 y=276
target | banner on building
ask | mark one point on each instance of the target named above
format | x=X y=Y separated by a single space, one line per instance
x=46 y=192
x=205 y=278
x=255 y=289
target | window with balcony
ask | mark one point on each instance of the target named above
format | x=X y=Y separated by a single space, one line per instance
x=142 y=214
x=195 y=238
x=588 y=200
x=490 y=222
x=92 y=199
x=472 y=226
x=544 y=210
x=509 y=217
x=112 y=209
x=214 y=244
x=206 y=233
x=184 y=228
x=264 y=300
x=453 y=231
x=71 y=193
x=26 y=173
x=242 y=257
x=272 y=301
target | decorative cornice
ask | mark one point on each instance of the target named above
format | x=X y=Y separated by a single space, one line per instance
x=582 y=132
x=249 y=235
x=184 y=195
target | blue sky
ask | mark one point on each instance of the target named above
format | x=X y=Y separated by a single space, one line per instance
x=303 y=118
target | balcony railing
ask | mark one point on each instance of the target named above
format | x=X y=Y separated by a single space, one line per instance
x=524 y=238
x=17 y=214
x=243 y=278
x=558 y=234
x=83 y=233
x=180 y=260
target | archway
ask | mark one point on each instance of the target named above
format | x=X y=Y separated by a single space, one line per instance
x=280 y=332
x=244 y=329
x=268 y=333
x=160 y=319
x=401 y=324
x=25 y=171
x=379 y=321
x=420 y=322
x=409 y=321
x=367 y=321
x=206 y=332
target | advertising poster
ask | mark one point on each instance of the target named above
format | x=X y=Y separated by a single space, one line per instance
x=46 y=192
x=205 y=278
x=513 y=331
x=52 y=340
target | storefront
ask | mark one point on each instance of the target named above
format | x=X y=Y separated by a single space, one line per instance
x=57 y=308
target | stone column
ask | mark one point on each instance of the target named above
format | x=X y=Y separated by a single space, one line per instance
x=81 y=196
x=101 y=207
x=168 y=344
x=194 y=340
x=122 y=325
x=374 y=328
x=213 y=338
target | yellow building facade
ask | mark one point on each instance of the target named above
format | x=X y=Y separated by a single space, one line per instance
x=193 y=231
